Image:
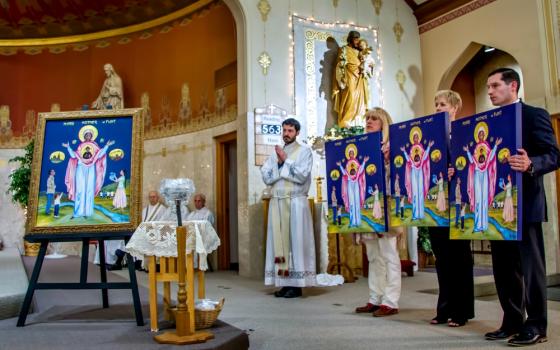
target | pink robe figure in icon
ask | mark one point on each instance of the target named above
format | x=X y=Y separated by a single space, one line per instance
x=417 y=176
x=481 y=184
x=85 y=173
x=353 y=188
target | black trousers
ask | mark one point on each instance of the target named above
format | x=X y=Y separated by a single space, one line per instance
x=454 y=266
x=520 y=276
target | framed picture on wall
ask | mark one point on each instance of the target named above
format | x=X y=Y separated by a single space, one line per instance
x=485 y=193
x=419 y=171
x=87 y=172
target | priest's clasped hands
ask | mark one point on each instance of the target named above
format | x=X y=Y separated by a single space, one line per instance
x=281 y=154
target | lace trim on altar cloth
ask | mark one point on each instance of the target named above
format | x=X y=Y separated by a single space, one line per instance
x=158 y=238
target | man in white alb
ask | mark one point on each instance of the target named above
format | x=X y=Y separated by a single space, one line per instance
x=154 y=211
x=290 y=245
x=115 y=250
x=200 y=212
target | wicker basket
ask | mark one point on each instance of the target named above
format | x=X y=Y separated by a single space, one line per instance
x=206 y=318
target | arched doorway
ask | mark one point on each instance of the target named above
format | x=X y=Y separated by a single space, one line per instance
x=468 y=76
x=230 y=187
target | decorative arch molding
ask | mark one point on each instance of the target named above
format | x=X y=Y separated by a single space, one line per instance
x=468 y=75
x=464 y=58
x=247 y=224
x=241 y=31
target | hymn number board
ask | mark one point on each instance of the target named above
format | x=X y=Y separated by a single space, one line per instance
x=268 y=131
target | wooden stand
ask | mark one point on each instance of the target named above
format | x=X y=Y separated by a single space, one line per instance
x=319 y=183
x=167 y=274
x=184 y=317
x=339 y=265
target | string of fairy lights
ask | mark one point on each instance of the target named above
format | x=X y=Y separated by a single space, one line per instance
x=324 y=25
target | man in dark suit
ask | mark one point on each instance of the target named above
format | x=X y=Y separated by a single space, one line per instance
x=519 y=266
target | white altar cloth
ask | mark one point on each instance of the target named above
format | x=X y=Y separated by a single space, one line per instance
x=158 y=238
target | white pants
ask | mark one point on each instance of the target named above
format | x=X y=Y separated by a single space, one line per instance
x=111 y=247
x=384 y=271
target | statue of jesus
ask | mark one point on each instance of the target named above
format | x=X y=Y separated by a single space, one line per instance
x=111 y=95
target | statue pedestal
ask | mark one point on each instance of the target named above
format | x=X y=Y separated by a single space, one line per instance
x=174 y=338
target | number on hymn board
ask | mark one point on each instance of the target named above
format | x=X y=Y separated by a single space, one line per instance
x=267 y=129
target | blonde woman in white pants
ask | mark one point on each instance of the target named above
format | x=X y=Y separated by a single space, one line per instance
x=384 y=277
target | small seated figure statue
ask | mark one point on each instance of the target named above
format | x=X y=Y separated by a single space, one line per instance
x=111 y=95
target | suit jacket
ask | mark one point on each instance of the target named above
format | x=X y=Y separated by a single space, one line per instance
x=540 y=143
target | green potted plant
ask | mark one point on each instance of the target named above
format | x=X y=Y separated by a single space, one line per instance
x=20 y=180
x=425 y=251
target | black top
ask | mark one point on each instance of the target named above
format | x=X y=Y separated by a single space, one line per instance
x=540 y=143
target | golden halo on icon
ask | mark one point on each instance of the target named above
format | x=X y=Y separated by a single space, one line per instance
x=351 y=147
x=85 y=129
x=415 y=131
x=481 y=126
